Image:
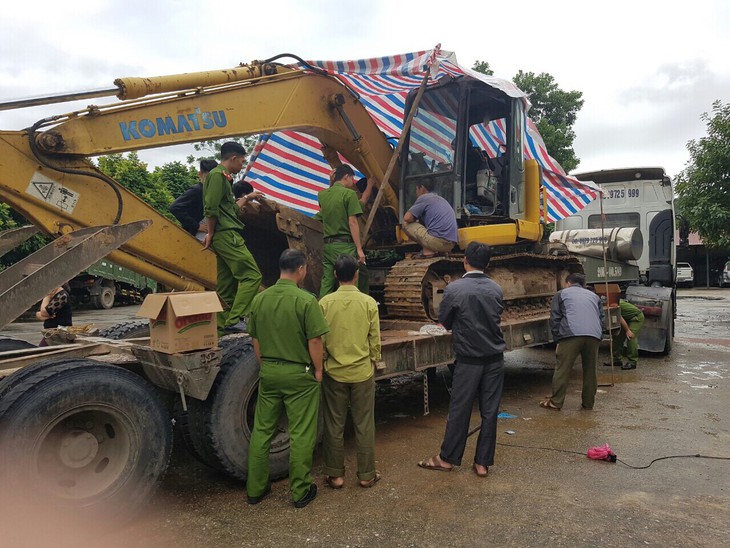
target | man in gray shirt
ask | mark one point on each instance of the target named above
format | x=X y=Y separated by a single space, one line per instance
x=576 y=321
x=437 y=231
x=472 y=309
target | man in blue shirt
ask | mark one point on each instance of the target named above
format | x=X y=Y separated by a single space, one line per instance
x=576 y=322
x=436 y=230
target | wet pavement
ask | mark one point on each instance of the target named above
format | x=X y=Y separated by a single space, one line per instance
x=542 y=489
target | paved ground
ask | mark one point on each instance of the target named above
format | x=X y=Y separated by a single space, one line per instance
x=676 y=405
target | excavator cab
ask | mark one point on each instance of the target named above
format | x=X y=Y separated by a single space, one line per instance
x=455 y=123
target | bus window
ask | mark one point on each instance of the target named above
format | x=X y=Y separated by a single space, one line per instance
x=613 y=220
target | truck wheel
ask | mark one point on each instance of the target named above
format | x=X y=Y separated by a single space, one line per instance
x=132 y=329
x=219 y=428
x=11 y=343
x=105 y=299
x=189 y=425
x=83 y=435
x=9 y=382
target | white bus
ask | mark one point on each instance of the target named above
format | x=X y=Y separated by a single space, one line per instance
x=635 y=197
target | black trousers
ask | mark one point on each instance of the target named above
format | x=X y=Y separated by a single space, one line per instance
x=469 y=382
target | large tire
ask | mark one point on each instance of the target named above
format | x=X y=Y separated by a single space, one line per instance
x=105 y=299
x=11 y=343
x=190 y=425
x=218 y=429
x=11 y=381
x=83 y=435
x=132 y=329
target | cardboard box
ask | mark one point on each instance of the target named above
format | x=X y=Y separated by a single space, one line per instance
x=182 y=321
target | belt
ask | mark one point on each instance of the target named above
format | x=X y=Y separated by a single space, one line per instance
x=279 y=361
x=338 y=240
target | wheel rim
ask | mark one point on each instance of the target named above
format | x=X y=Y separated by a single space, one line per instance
x=280 y=440
x=84 y=452
x=107 y=297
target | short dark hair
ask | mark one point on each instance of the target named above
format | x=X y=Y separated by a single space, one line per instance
x=242 y=187
x=576 y=278
x=207 y=165
x=291 y=259
x=478 y=254
x=341 y=172
x=345 y=268
x=428 y=184
x=232 y=148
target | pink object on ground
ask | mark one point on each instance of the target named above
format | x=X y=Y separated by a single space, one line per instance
x=601 y=453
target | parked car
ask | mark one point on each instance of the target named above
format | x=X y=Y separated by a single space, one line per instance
x=723 y=278
x=685 y=274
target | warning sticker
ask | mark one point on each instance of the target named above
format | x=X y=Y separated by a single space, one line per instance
x=52 y=193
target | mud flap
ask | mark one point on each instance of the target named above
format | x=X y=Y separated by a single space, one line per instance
x=656 y=303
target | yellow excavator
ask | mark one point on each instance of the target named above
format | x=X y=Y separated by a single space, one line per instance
x=46 y=175
x=95 y=431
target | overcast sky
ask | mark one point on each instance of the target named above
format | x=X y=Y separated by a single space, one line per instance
x=647 y=69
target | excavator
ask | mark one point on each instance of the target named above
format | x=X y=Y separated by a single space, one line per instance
x=89 y=450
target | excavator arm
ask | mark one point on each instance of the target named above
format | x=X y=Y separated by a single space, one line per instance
x=46 y=176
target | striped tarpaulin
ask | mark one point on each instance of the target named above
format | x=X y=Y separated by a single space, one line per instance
x=289 y=167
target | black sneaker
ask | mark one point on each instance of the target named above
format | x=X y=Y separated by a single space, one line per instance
x=615 y=364
x=306 y=499
x=262 y=496
x=629 y=365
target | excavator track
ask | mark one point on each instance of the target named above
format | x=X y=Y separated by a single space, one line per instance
x=414 y=287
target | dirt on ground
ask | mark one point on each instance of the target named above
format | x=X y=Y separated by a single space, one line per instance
x=542 y=491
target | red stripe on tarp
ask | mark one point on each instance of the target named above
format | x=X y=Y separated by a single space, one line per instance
x=285 y=176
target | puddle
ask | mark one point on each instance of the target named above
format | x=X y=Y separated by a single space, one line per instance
x=699 y=371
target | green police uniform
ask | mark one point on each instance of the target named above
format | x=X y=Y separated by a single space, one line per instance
x=634 y=317
x=239 y=277
x=283 y=319
x=336 y=205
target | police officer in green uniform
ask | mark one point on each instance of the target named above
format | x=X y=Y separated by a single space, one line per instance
x=626 y=343
x=287 y=325
x=339 y=209
x=239 y=277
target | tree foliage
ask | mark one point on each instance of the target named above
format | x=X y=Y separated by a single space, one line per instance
x=553 y=110
x=483 y=67
x=10 y=218
x=132 y=173
x=175 y=177
x=703 y=187
x=212 y=148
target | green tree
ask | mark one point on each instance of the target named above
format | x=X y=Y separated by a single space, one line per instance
x=553 y=110
x=6 y=217
x=703 y=187
x=212 y=148
x=483 y=67
x=132 y=173
x=9 y=218
x=176 y=177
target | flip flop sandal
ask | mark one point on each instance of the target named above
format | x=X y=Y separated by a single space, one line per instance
x=478 y=473
x=369 y=483
x=547 y=404
x=425 y=464
x=330 y=481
